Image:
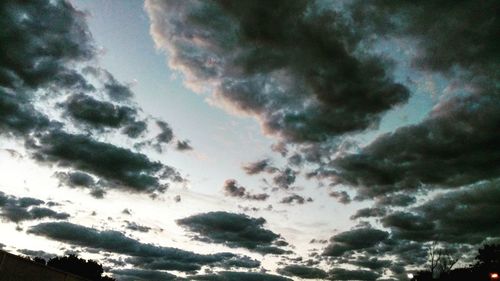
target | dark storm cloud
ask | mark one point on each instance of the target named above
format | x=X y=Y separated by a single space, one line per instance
x=369 y=212
x=411 y=226
x=260 y=166
x=18 y=116
x=356 y=239
x=298 y=74
x=406 y=251
x=463 y=216
x=448 y=33
x=147 y=256
x=371 y=263
x=40 y=56
x=399 y=200
x=123 y=167
x=239 y=276
x=233 y=230
x=342 y=196
x=302 y=271
x=233 y=189
x=141 y=274
x=345 y=274
x=295 y=198
x=18 y=209
x=98 y=114
x=455 y=146
x=34 y=51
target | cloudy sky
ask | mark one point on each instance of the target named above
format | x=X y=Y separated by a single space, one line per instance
x=249 y=140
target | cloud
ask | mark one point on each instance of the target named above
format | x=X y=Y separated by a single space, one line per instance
x=18 y=209
x=448 y=34
x=141 y=274
x=183 y=145
x=455 y=145
x=461 y=216
x=34 y=54
x=40 y=254
x=146 y=256
x=369 y=212
x=233 y=230
x=135 y=129
x=295 y=160
x=98 y=114
x=356 y=239
x=452 y=147
x=302 y=271
x=166 y=134
x=40 y=212
x=122 y=167
x=136 y=227
x=239 y=276
x=258 y=167
x=17 y=115
x=280 y=148
x=231 y=188
x=342 y=196
x=76 y=179
x=399 y=200
x=40 y=62
x=295 y=198
x=345 y=274
x=371 y=263
x=284 y=178
x=114 y=89
x=298 y=75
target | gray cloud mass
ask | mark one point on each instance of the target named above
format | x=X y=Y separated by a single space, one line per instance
x=233 y=230
x=298 y=75
x=146 y=256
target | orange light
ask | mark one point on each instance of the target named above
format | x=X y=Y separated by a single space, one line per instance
x=494 y=275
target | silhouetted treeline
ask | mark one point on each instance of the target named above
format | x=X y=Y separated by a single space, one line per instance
x=487 y=263
x=72 y=264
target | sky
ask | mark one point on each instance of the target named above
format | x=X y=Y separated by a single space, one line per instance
x=249 y=140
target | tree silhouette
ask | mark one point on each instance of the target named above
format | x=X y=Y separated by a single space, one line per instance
x=487 y=262
x=85 y=268
x=489 y=254
x=40 y=260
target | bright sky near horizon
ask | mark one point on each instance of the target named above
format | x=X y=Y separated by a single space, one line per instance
x=165 y=131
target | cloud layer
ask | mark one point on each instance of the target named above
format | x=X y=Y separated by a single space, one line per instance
x=18 y=209
x=147 y=256
x=42 y=62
